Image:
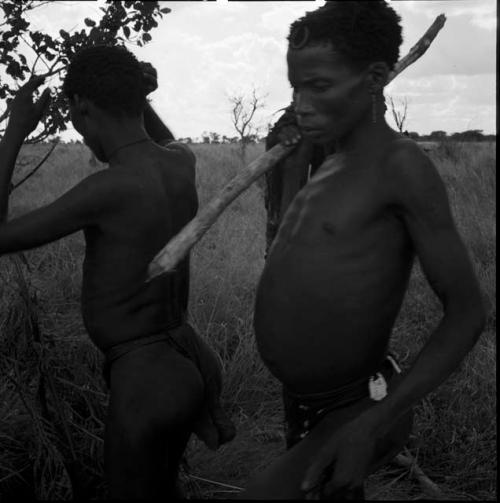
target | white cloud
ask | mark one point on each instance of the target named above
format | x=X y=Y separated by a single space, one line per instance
x=278 y=18
x=205 y=50
x=462 y=46
x=447 y=102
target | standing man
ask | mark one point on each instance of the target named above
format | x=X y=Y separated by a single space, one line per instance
x=338 y=270
x=164 y=381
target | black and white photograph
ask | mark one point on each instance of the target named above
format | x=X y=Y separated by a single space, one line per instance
x=248 y=250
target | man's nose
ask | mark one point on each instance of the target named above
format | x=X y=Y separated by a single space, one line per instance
x=302 y=105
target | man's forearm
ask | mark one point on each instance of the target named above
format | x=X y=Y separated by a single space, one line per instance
x=155 y=126
x=10 y=145
x=447 y=347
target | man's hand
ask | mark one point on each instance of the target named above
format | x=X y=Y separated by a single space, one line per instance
x=24 y=113
x=286 y=130
x=150 y=77
x=343 y=463
x=289 y=135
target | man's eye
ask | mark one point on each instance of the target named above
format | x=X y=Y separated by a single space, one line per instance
x=319 y=88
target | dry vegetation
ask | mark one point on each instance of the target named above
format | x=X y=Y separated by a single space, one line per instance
x=53 y=399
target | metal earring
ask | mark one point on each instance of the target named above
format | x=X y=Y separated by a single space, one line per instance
x=374 y=109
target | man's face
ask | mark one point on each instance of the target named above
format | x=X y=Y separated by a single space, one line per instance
x=330 y=97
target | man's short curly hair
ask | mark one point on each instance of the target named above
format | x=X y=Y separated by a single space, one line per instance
x=363 y=31
x=110 y=77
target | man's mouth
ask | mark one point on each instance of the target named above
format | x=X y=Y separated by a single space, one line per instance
x=310 y=130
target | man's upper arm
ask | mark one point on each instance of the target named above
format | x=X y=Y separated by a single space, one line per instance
x=78 y=208
x=422 y=201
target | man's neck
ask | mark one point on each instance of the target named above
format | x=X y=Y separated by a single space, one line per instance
x=120 y=136
x=364 y=138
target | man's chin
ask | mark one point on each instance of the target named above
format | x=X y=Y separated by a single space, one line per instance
x=317 y=137
x=326 y=138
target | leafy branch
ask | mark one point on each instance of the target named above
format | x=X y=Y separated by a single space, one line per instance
x=130 y=21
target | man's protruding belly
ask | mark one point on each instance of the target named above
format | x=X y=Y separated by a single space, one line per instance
x=319 y=325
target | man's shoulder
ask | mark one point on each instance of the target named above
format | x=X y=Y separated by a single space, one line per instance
x=407 y=165
x=107 y=185
x=177 y=146
x=182 y=152
x=405 y=153
x=412 y=176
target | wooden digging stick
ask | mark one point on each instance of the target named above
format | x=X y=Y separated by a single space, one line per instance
x=180 y=244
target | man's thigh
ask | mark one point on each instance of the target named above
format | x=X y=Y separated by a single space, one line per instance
x=283 y=478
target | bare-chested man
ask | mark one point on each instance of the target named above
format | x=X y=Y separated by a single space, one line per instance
x=164 y=382
x=338 y=270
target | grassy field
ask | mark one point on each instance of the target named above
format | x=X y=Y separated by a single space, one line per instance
x=53 y=399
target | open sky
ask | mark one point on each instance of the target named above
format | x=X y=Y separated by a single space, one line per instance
x=205 y=51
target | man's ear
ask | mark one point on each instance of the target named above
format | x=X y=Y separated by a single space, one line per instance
x=378 y=74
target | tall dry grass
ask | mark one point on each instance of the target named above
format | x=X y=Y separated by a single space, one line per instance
x=53 y=399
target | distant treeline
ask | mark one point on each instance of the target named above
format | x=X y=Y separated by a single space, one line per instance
x=470 y=135
x=216 y=139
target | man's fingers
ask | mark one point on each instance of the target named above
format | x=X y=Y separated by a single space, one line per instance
x=289 y=135
x=344 y=479
x=33 y=83
x=316 y=472
x=148 y=69
x=150 y=82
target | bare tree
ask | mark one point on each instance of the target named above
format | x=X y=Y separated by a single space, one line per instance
x=214 y=137
x=399 y=112
x=243 y=111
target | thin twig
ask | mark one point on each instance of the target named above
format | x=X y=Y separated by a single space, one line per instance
x=36 y=168
x=38 y=54
x=13 y=473
x=409 y=462
x=229 y=486
x=53 y=72
x=89 y=433
x=80 y=388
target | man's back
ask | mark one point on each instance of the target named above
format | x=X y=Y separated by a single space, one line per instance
x=155 y=198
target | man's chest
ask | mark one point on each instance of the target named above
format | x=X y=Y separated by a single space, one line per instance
x=335 y=205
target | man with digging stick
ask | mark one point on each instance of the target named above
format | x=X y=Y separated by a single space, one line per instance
x=164 y=381
x=338 y=269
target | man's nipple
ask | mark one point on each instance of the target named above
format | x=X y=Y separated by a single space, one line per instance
x=329 y=228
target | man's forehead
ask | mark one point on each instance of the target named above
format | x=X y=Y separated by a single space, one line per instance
x=316 y=59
